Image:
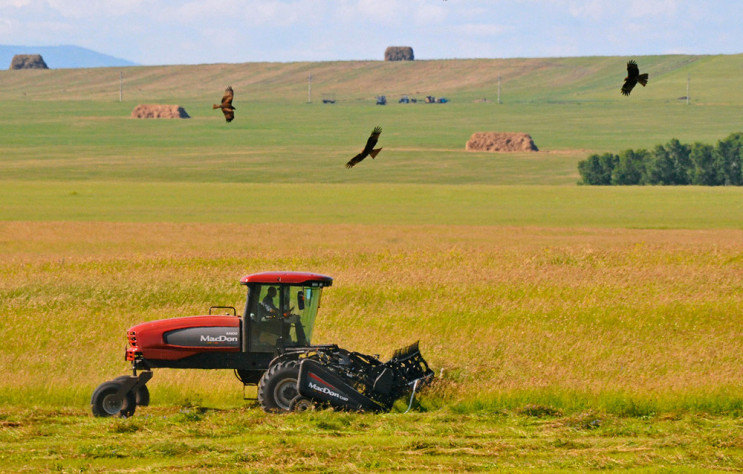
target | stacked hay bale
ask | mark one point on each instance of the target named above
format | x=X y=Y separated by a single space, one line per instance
x=28 y=61
x=159 y=111
x=500 y=141
x=399 y=53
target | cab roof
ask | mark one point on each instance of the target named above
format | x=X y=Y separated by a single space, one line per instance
x=289 y=278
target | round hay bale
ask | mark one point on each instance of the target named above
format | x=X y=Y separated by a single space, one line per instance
x=28 y=61
x=500 y=141
x=399 y=53
x=159 y=111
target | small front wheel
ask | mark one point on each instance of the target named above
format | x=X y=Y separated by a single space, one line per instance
x=106 y=401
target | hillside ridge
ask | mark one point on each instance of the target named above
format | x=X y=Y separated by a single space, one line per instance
x=713 y=78
x=63 y=56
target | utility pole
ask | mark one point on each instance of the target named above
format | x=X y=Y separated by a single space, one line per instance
x=499 y=88
x=688 y=80
x=309 y=88
x=121 y=86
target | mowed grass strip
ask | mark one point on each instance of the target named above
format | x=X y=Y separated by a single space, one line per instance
x=630 y=321
x=298 y=143
x=542 y=206
x=193 y=438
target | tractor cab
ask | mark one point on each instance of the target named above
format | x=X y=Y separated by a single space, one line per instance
x=280 y=309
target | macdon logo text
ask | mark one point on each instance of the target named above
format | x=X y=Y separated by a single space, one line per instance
x=218 y=339
x=327 y=391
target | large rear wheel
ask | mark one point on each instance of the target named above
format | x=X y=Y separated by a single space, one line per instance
x=278 y=387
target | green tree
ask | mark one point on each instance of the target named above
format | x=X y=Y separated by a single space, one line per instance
x=660 y=169
x=679 y=153
x=671 y=164
x=630 y=168
x=597 y=169
x=704 y=159
x=730 y=159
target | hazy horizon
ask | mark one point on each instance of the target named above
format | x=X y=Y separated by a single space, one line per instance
x=214 y=31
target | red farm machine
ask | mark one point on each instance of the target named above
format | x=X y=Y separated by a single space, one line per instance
x=268 y=346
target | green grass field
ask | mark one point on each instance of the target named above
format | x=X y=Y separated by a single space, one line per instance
x=193 y=439
x=529 y=294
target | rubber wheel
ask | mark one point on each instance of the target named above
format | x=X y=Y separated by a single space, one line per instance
x=142 y=393
x=301 y=404
x=278 y=387
x=105 y=403
x=143 y=396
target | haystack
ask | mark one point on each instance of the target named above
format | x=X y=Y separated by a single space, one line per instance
x=159 y=111
x=500 y=141
x=28 y=61
x=399 y=53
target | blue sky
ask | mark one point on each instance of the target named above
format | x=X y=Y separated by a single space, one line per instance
x=211 y=31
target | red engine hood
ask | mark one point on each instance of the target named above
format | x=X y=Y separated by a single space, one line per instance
x=176 y=338
x=163 y=325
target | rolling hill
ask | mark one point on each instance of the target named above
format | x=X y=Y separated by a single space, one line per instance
x=63 y=57
x=713 y=79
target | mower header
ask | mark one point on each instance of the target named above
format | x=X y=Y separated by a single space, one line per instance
x=290 y=278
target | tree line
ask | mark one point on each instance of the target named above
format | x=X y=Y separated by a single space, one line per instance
x=672 y=164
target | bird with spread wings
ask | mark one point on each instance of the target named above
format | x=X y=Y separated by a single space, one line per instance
x=633 y=77
x=368 y=149
x=227 y=109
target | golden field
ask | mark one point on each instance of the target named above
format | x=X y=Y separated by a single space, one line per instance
x=566 y=316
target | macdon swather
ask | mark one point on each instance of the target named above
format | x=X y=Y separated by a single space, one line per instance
x=268 y=346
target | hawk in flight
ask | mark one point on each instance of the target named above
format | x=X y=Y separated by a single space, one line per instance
x=368 y=149
x=633 y=77
x=227 y=109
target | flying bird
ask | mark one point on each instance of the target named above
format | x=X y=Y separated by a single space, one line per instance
x=227 y=109
x=368 y=149
x=633 y=77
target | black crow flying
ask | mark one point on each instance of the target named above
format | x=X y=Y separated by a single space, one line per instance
x=633 y=77
x=368 y=149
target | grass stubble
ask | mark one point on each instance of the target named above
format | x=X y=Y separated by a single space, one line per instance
x=196 y=439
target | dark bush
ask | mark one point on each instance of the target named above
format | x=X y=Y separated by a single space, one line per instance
x=598 y=169
x=672 y=164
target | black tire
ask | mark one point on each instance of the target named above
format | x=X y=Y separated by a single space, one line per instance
x=301 y=404
x=143 y=396
x=105 y=402
x=142 y=393
x=278 y=387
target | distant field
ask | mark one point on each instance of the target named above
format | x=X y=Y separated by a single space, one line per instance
x=59 y=125
x=311 y=143
x=375 y=204
x=713 y=80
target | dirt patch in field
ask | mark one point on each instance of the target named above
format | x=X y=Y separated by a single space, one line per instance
x=159 y=111
x=500 y=141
